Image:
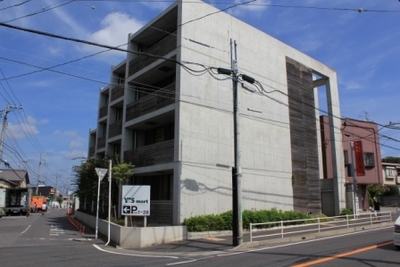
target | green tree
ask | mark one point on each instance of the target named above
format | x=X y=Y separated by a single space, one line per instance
x=86 y=179
x=391 y=160
x=122 y=172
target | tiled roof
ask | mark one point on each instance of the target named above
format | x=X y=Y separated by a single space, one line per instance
x=14 y=176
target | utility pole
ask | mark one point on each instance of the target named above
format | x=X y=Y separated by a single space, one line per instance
x=237 y=220
x=237 y=172
x=5 y=111
x=353 y=170
x=38 y=176
x=237 y=206
x=56 y=190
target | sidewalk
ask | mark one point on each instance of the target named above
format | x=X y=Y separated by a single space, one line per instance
x=213 y=245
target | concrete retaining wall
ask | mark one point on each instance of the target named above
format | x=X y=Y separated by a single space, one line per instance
x=135 y=237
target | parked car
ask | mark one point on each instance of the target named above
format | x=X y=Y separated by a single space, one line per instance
x=396 y=234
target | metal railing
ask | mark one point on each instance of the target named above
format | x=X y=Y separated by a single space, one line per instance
x=281 y=229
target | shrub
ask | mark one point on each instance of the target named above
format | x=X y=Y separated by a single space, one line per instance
x=346 y=211
x=224 y=221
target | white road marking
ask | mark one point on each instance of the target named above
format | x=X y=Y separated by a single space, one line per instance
x=133 y=255
x=180 y=262
x=55 y=230
x=29 y=226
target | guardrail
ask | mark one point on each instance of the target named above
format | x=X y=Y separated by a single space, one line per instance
x=283 y=229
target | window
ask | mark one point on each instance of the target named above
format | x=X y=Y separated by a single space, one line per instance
x=118 y=115
x=161 y=186
x=369 y=160
x=160 y=134
x=120 y=79
x=346 y=157
x=390 y=172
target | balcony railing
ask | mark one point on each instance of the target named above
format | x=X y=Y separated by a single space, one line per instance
x=103 y=111
x=117 y=92
x=92 y=150
x=161 y=48
x=115 y=129
x=154 y=154
x=101 y=142
x=152 y=102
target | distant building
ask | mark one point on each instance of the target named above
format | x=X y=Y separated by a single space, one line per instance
x=352 y=131
x=391 y=173
x=47 y=191
x=171 y=115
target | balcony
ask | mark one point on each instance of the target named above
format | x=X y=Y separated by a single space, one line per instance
x=115 y=129
x=149 y=103
x=117 y=92
x=103 y=111
x=92 y=150
x=101 y=142
x=160 y=49
x=154 y=154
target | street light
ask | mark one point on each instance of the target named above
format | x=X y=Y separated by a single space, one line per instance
x=100 y=173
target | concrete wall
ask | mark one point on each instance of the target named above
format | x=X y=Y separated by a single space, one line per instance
x=206 y=118
x=135 y=237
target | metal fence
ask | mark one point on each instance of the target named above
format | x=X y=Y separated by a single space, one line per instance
x=282 y=229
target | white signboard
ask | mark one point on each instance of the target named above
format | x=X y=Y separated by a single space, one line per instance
x=2 y=198
x=135 y=200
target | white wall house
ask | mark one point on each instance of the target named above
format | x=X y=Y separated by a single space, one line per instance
x=170 y=113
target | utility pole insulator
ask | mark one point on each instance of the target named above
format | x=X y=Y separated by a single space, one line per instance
x=224 y=71
x=248 y=78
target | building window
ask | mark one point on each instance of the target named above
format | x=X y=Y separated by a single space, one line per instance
x=369 y=160
x=159 y=134
x=160 y=186
x=390 y=172
x=118 y=115
x=346 y=157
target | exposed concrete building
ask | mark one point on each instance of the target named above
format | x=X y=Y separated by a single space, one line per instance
x=169 y=112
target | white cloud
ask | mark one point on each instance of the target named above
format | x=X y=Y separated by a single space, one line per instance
x=76 y=143
x=27 y=128
x=115 y=28
x=66 y=133
x=67 y=19
x=244 y=9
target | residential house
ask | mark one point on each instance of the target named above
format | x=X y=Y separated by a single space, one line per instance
x=169 y=112
x=366 y=133
x=391 y=173
x=10 y=178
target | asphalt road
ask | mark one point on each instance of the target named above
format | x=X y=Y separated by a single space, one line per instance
x=51 y=240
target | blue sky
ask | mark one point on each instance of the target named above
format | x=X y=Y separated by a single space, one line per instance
x=60 y=103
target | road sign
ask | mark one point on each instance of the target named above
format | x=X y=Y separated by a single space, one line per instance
x=101 y=172
x=135 y=200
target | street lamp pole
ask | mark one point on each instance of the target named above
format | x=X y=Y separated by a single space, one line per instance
x=109 y=201
x=353 y=169
x=100 y=173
